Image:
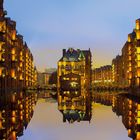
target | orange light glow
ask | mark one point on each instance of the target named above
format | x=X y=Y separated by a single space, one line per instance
x=13 y=135
x=138 y=136
x=138 y=120
x=13 y=120
x=14 y=35
x=138 y=24
x=12 y=73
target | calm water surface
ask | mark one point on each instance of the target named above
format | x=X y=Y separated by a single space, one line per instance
x=47 y=124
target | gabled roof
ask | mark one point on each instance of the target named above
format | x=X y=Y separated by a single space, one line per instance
x=74 y=55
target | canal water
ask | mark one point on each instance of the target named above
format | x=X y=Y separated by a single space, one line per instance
x=47 y=124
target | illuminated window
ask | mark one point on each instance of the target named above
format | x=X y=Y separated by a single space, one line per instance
x=26 y=77
x=138 y=120
x=130 y=68
x=138 y=113
x=13 y=51
x=130 y=75
x=21 y=53
x=138 y=57
x=137 y=25
x=73 y=84
x=13 y=57
x=129 y=58
x=130 y=113
x=21 y=78
x=138 y=106
x=14 y=35
x=20 y=64
x=74 y=79
x=26 y=55
x=129 y=38
x=138 y=34
x=138 y=135
x=0 y=71
x=12 y=73
x=138 y=63
x=0 y=56
x=2 y=27
x=138 y=72
x=138 y=49
x=20 y=58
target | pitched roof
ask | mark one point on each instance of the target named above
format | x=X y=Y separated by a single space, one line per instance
x=74 y=55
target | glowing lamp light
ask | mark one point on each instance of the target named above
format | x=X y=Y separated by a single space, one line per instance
x=12 y=73
x=13 y=120
x=27 y=116
x=21 y=118
x=13 y=57
x=13 y=51
x=20 y=64
x=130 y=102
x=21 y=106
x=13 y=113
x=130 y=113
x=21 y=113
x=14 y=35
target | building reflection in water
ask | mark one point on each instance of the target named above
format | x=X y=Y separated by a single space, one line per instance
x=129 y=108
x=16 y=110
x=73 y=85
x=75 y=108
x=126 y=106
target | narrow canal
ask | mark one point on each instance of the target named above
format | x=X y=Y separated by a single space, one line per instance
x=47 y=124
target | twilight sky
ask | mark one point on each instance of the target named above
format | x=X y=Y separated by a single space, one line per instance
x=48 y=26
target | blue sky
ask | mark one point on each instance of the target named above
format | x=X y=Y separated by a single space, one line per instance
x=48 y=26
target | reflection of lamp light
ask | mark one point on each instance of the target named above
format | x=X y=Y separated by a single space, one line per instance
x=13 y=135
x=138 y=136
x=13 y=98
x=21 y=118
x=73 y=84
x=129 y=132
x=21 y=106
x=13 y=120
x=138 y=120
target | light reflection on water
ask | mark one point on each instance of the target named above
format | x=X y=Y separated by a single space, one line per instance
x=47 y=124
